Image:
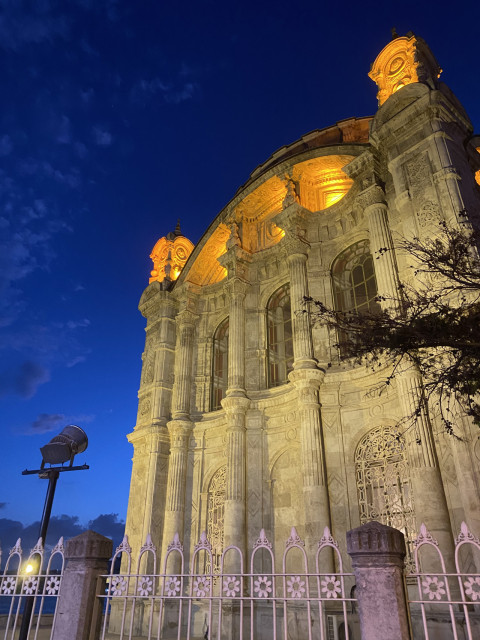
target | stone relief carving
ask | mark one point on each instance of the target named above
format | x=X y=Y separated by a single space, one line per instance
x=428 y=215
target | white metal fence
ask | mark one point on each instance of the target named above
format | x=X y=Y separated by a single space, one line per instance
x=36 y=580
x=445 y=605
x=258 y=599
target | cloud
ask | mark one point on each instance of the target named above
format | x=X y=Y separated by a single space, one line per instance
x=48 y=422
x=24 y=379
x=3 y=505
x=74 y=324
x=20 y=26
x=171 y=93
x=103 y=138
x=108 y=525
x=64 y=132
x=5 y=145
x=77 y=360
x=64 y=525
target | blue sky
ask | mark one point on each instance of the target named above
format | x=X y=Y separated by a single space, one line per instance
x=117 y=118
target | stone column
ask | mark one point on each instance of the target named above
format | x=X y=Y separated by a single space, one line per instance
x=180 y=429
x=315 y=488
x=186 y=322
x=307 y=378
x=297 y=251
x=235 y=405
x=79 y=611
x=378 y=554
x=235 y=495
x=381 y=248
x=428 y=491
x=236 y=290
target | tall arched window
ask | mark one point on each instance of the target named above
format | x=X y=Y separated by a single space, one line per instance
x=383 y=481
x=219 y=365
x=280 y=337
x=354 y=283
x=216 y=515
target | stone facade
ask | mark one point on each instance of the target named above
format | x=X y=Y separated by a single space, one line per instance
x=313 y=446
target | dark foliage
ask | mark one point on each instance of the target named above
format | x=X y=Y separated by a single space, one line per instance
x=433 y=323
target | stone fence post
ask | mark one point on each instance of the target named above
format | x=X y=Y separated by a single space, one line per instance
x=378 y=554
x=86 y=557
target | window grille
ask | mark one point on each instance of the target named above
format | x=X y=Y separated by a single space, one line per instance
x=280 y=337
x=216 y=514
x=219 y=365
x=383 y=482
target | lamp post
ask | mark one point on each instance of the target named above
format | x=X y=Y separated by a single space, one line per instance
x=62 y=448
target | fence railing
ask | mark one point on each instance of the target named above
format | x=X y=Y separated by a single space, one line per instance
x=443 y=603
x=292 y=596
x=34 y=583
x=250 y=597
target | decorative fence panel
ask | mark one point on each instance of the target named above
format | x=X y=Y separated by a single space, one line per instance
x=249 y=597
x=445 y=605
x=30 y=585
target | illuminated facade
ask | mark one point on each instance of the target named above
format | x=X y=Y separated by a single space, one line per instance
x=241 y=425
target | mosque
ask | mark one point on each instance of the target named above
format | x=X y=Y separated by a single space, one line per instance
x=241 y=424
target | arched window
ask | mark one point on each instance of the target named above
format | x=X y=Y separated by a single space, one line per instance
x=216 y=515
x=219 y=365
x=279 y=336
x=354 y=283
x=383 y=481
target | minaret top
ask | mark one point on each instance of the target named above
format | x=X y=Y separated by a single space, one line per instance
x=404 y=60
x=169 y=255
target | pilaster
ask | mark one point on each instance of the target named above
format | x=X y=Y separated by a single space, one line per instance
x=235 y=508
x=428 y=491
x=315 y=489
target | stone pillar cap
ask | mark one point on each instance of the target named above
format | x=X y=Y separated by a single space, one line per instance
x=89 y=544
x=374 y=539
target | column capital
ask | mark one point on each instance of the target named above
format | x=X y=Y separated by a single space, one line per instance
x=372 y=196
x=156 y=301
x=235 y=404
x=236 y=287
x=179 y=431
x=186 y=318
x=307 y=378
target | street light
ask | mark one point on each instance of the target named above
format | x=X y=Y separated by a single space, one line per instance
x=71 y=441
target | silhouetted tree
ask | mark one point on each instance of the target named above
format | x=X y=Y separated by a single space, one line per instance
x=433 y=323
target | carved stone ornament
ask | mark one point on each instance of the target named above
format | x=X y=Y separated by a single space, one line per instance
x=428 y=214
x=292 y=197
x=404 y=60
x=144 y=406
x=374 y=194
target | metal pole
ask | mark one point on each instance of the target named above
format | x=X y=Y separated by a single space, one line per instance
x=52 y=475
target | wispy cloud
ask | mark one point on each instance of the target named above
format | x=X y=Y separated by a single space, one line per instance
x=102 y=137
x=47 y=422
x=24 y=379
x=170 y=92
x=64 y=132
x=21 y=25
x=5 y=145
